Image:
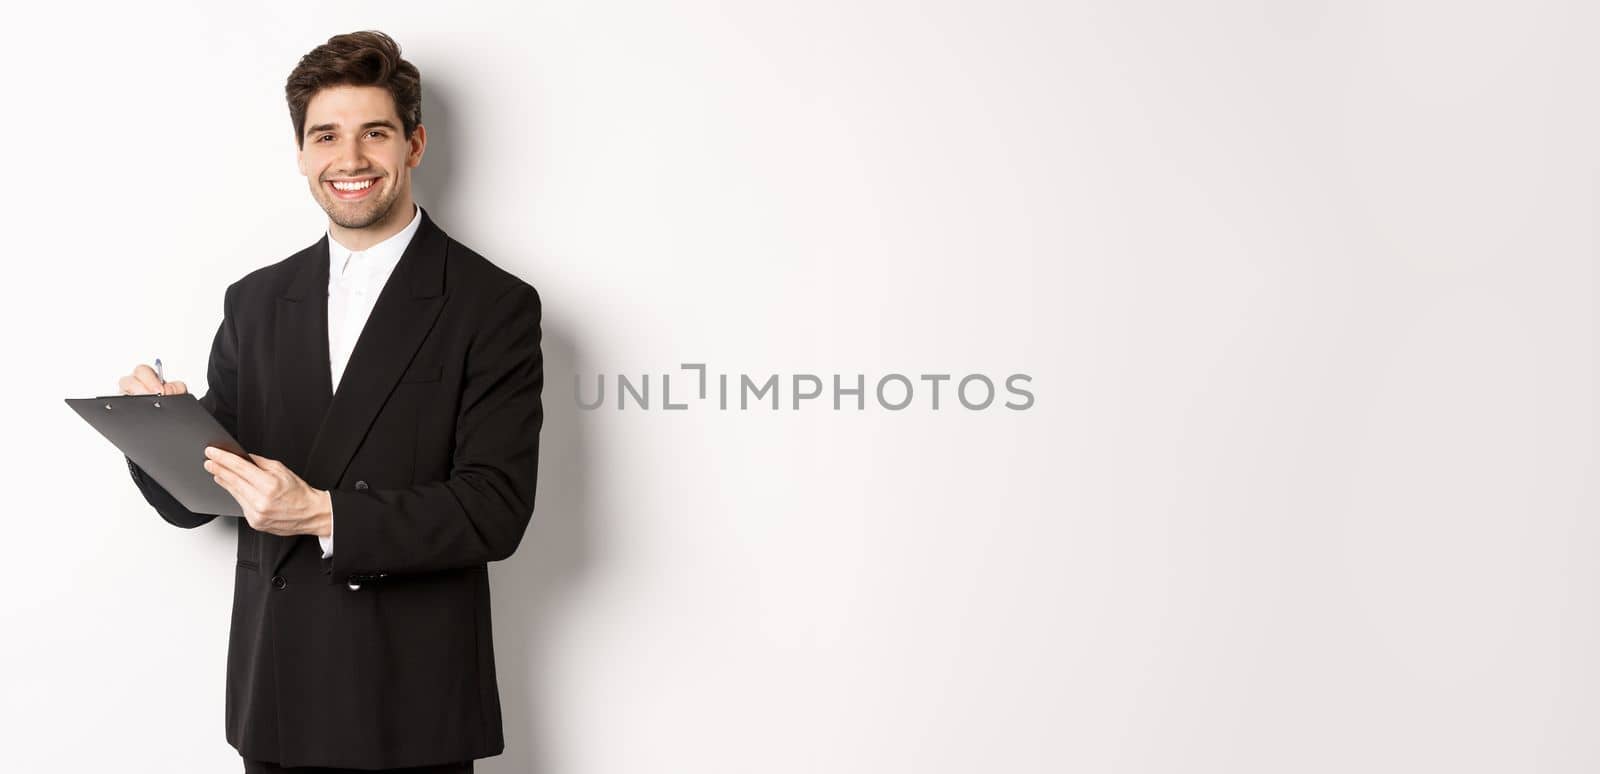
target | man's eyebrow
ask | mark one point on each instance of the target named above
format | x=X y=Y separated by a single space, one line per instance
x=382 y=123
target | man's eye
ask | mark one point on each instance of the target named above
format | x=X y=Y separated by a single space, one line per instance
x=375 y=132
x=324 y=137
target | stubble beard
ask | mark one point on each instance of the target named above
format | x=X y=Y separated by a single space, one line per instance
x=374 y=211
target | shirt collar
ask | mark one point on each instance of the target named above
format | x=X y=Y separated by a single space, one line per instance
x=383 y=255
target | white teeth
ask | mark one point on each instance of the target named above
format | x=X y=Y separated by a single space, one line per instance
x=352 y=186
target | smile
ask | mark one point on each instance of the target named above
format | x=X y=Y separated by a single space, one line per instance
x=351 y=189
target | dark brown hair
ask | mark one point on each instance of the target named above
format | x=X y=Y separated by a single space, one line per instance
x=368 y=58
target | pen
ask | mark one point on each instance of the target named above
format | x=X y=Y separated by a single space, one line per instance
x=159 y=377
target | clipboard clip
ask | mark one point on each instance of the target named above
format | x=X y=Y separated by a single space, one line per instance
x=156 y=395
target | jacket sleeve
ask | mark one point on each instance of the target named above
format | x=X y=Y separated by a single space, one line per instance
x=481 y=511
x=221 y=399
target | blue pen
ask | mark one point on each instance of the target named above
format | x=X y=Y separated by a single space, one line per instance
x=159 y=377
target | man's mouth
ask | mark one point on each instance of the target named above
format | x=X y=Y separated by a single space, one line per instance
x=351 y=189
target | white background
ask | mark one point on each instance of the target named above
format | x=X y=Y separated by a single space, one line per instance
x=1306 y=289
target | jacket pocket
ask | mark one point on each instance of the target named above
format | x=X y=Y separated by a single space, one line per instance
x=249 y=564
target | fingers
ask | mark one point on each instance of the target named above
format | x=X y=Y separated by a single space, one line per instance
x=265 y=489
x=241 y=493
x=256 y=478
x=232 y=473
x=143 y=381
x=235 y=486
x=135 y=384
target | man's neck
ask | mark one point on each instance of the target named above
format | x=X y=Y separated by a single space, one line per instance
x=362 y=238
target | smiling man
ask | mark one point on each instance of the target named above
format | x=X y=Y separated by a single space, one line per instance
x=387 y=383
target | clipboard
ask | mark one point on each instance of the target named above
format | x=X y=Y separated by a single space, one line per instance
x=167 y=436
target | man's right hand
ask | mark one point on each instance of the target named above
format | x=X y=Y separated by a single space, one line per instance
x=143 y=381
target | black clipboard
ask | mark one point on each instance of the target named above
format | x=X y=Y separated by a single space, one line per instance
x=167 y=436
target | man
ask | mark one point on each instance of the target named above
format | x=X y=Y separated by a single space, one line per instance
x=392 y=427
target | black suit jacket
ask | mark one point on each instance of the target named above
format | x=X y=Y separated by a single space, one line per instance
x=383 y=655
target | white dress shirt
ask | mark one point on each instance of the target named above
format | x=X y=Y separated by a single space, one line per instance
x=354 y=280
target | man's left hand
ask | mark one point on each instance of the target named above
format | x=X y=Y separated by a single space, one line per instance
x=274 y=499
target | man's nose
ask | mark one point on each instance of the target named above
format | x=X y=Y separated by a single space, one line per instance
x=350 y=159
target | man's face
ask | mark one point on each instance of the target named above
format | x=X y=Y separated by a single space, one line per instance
x=355 y=154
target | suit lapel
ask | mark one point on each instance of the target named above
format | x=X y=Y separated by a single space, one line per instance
x=301 y=363
x=330 y=426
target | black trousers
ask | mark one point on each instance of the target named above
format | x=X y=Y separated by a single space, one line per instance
x=267 y=767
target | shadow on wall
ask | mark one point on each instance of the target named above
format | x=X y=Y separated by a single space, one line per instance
x=527 y=588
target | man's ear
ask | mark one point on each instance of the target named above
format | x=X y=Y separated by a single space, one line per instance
x=419 y=143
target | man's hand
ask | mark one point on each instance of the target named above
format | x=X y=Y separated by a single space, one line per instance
x=274 y=499
x=143 y=381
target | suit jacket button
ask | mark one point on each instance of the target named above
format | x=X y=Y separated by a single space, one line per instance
x=360 y=485
x=354 y=586
x=278 y=582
